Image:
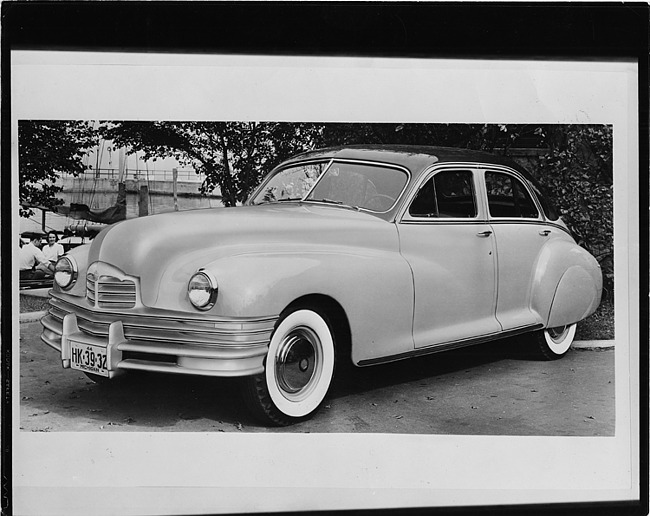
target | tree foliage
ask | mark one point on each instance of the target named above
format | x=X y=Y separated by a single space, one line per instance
x=578 y=172
x=46 y=149
x=233 y=156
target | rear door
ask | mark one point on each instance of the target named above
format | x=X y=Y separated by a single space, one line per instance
x=520 y=233
x=445 y=237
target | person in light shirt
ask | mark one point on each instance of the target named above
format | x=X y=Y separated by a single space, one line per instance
x=53 y=250
x=33 y=263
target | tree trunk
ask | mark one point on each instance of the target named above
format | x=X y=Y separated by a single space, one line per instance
x=228 y=192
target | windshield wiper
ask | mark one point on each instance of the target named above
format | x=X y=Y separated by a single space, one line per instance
x=338 y=203
x=328 y=201
x=270 y=201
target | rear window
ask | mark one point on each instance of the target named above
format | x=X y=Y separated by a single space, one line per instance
x=507 y=197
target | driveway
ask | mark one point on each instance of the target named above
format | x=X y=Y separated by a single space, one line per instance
x=492 y=389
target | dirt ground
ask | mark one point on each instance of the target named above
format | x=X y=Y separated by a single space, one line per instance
x=485 y=390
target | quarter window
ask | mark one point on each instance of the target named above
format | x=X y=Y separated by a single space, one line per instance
x=507 y=197
x=448 y=194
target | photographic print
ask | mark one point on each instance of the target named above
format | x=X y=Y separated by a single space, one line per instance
x=410 y=184
x=239 y=320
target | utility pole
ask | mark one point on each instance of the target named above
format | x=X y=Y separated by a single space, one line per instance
x=144 y=201
x=175 y=179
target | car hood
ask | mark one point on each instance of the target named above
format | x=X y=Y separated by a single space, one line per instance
x=172 y=246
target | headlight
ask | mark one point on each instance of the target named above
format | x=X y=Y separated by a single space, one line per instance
x=65 y=272
x=202 y=290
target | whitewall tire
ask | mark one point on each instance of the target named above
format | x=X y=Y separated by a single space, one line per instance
x=298 y=371
x=553 y=343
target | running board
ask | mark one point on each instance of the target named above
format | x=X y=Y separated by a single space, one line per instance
x=448 y=346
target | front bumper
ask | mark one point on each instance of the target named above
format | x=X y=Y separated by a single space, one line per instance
x=158 y=340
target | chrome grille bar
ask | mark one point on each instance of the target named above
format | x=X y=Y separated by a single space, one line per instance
x=167 y=329
x=110 y=292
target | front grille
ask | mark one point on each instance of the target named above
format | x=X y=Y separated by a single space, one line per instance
x=110 y=292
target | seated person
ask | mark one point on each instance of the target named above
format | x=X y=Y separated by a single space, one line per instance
x=33 y=263
x=53 y=250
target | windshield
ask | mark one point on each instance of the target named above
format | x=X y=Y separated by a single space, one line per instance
x=359 y=185
x=291 y=183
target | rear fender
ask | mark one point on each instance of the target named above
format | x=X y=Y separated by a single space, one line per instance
x=567 y=285
x=577 y=297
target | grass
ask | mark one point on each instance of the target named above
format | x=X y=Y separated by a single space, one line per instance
x=599 y=326
x=32 y=303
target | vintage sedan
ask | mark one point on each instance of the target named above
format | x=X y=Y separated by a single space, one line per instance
x=359 y=255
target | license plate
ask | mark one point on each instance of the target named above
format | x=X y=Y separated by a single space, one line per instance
x=88 y=358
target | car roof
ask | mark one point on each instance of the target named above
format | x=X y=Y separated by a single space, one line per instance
x=414 y=157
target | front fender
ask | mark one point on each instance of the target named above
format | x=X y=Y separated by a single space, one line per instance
x=375 y=289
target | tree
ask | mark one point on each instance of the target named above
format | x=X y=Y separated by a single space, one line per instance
x=578 y=172
x=46 y=149
x=233 y=156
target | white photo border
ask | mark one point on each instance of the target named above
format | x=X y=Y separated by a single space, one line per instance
x=180 y=473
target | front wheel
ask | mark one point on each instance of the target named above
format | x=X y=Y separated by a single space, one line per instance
x=553 y=343
x=298 y=370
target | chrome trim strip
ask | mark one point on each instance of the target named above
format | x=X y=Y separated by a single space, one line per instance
x=225 y=353
x=496 y=222
x=541 y=216
x=401 y=215
x=329 y=162
x=155 y=314
x=144 y=365
x=275 y=171
x=436 y=348
x=148 y=333
x=431 y=171
x=446 y=222
x=214 y=359
x=365 y=162
x=173 y=336
x=318 y=179
x=436 y=167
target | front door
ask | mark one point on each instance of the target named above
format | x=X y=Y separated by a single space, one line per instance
x=450 y=247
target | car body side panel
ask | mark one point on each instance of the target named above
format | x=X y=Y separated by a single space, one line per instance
x=577 y=297
x=518 y=246
x=453 y=267
x=374 y=288
x=567 y=284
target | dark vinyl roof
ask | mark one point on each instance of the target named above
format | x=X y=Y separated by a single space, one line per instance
x=413 y=157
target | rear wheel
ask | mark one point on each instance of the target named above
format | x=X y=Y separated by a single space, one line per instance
x=298 y=370
x=553 y=343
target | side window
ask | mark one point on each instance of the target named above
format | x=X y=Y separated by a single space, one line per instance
x=507 y=197
x=448 y=194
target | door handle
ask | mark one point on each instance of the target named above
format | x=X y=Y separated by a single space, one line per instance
x=546 y=232
x=484 y=233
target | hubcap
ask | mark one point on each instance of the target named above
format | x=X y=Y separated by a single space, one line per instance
x=557 y=334
x=297 y=359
